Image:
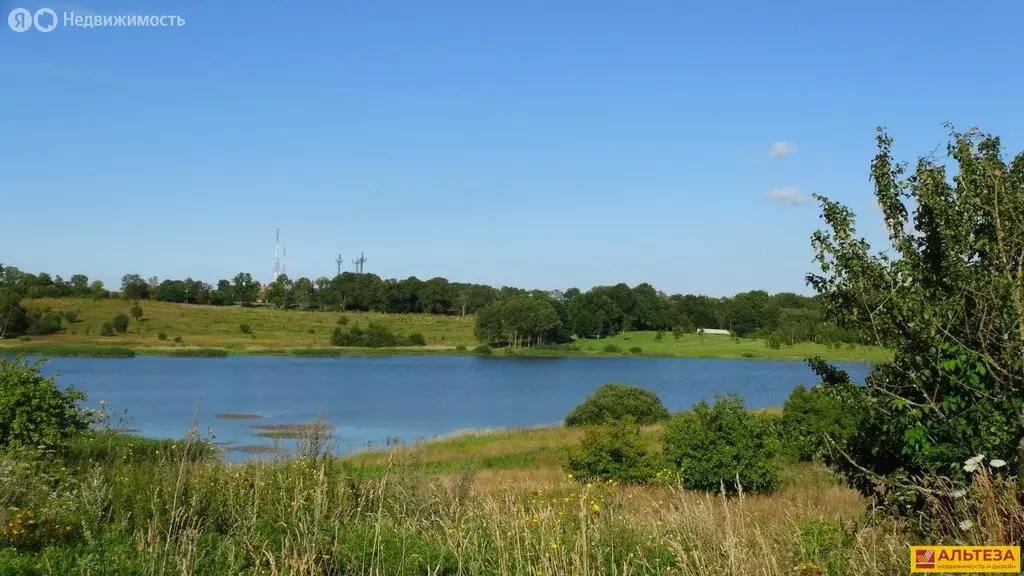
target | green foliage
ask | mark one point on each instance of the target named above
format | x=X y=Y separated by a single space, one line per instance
x=13 y=318
x=417 y=339
x=342 y=320
x=817 y=422
x=136 y=311
x=245 y=328
x=616 y=402
x=774 y=340
x=715 y=447
x=613 y=451
x=107 y=329
x=483 y=350
x=120 y=322
x=659 y=336
x=161 y=335
x=611 y=349
x=521 y=320
x=460 y=348
x=177 y=339
x=34 y=410
x=42 y=322
x=636 y=350
x=677 y=333
x=822 y=543
x=948 y=299
x=198 y=352
x=375 y=335
x=71 y=316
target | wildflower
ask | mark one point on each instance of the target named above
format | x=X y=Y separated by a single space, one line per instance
x=997 y=463
x=971 y=465
x=554 y=546
x=588 y=485
x=570 y=476
x=966 y=524
x=596 y=507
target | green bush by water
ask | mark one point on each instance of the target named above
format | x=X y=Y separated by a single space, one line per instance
x=618 y=401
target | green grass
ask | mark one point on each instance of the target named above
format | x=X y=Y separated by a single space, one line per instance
x=708 y=346
x=213 y=331
x=484 y=503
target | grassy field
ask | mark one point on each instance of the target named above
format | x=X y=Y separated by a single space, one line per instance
x=215 y=330
x=476 y=503
x=708 y=346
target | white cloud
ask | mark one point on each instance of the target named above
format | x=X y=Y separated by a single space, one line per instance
x=781 y=149
x=790 y=195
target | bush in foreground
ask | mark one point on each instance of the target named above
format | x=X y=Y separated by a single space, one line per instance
x=814 y=417
x=717 y=446
x=613 y=451
x=618 y=401
x=34 y=410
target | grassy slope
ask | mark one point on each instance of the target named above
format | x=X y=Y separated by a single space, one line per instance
x=275 y=331
x=707 y=346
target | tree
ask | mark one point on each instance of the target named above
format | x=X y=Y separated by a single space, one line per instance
x=136 y=311
x=97 y=291
x=120 y=322
x=279 y=292
x=133 y=287
x=79 y=285
x=303 y=293
x=246 y=290
x=13 y=318
x=949 y=303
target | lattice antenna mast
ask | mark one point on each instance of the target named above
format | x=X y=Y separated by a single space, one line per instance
x=338 y=262
x=277 y=255
x=284 y=258
x=359 y=262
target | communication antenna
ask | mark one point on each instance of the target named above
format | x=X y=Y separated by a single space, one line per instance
x=338 y=262
x=277 y=255
x=359 y=262
x=284 y=258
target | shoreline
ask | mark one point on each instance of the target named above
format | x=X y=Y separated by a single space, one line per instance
x=866 y=356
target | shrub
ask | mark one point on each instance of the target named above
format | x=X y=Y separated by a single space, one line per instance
x=460 y=348
x=42 y=322
x=612 y=349
x=417 y=339
x=810 y=417
x=375 y=336
x=613 y=451
x=659 y=336
x=677 y=332
x=774 y=340
x=636 y=350
x=342 y=320
x=136 y=312
x=714 y=447
x=483 y=350
x=34 y=410
x=177 y=339
x=71 y=316
x=245 y=328
x=25 y=338
x=106 y=330
x=120 y=322
x=618 y=401
x=162 y=335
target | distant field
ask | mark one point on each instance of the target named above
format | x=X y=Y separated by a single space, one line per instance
x=204 y=329
x=218 y=326
x=708 y=346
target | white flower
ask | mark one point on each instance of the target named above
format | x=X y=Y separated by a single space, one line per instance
x=966 y=524
x=971 y=464
x=997 y=463
x=958 y=493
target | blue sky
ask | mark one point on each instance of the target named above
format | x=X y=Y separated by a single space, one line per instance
x=528 y=143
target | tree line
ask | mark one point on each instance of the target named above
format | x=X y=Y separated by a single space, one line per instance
x=505 y=316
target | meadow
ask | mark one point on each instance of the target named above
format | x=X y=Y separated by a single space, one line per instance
x=475 y=503
x=199 y=330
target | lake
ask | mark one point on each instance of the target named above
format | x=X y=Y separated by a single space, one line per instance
x=373 y=398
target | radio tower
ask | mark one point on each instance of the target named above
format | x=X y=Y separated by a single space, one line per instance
x=359 y=263
x=338 y=262
x=277 y=255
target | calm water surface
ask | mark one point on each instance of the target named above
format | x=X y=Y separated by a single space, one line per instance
x=371 y=399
